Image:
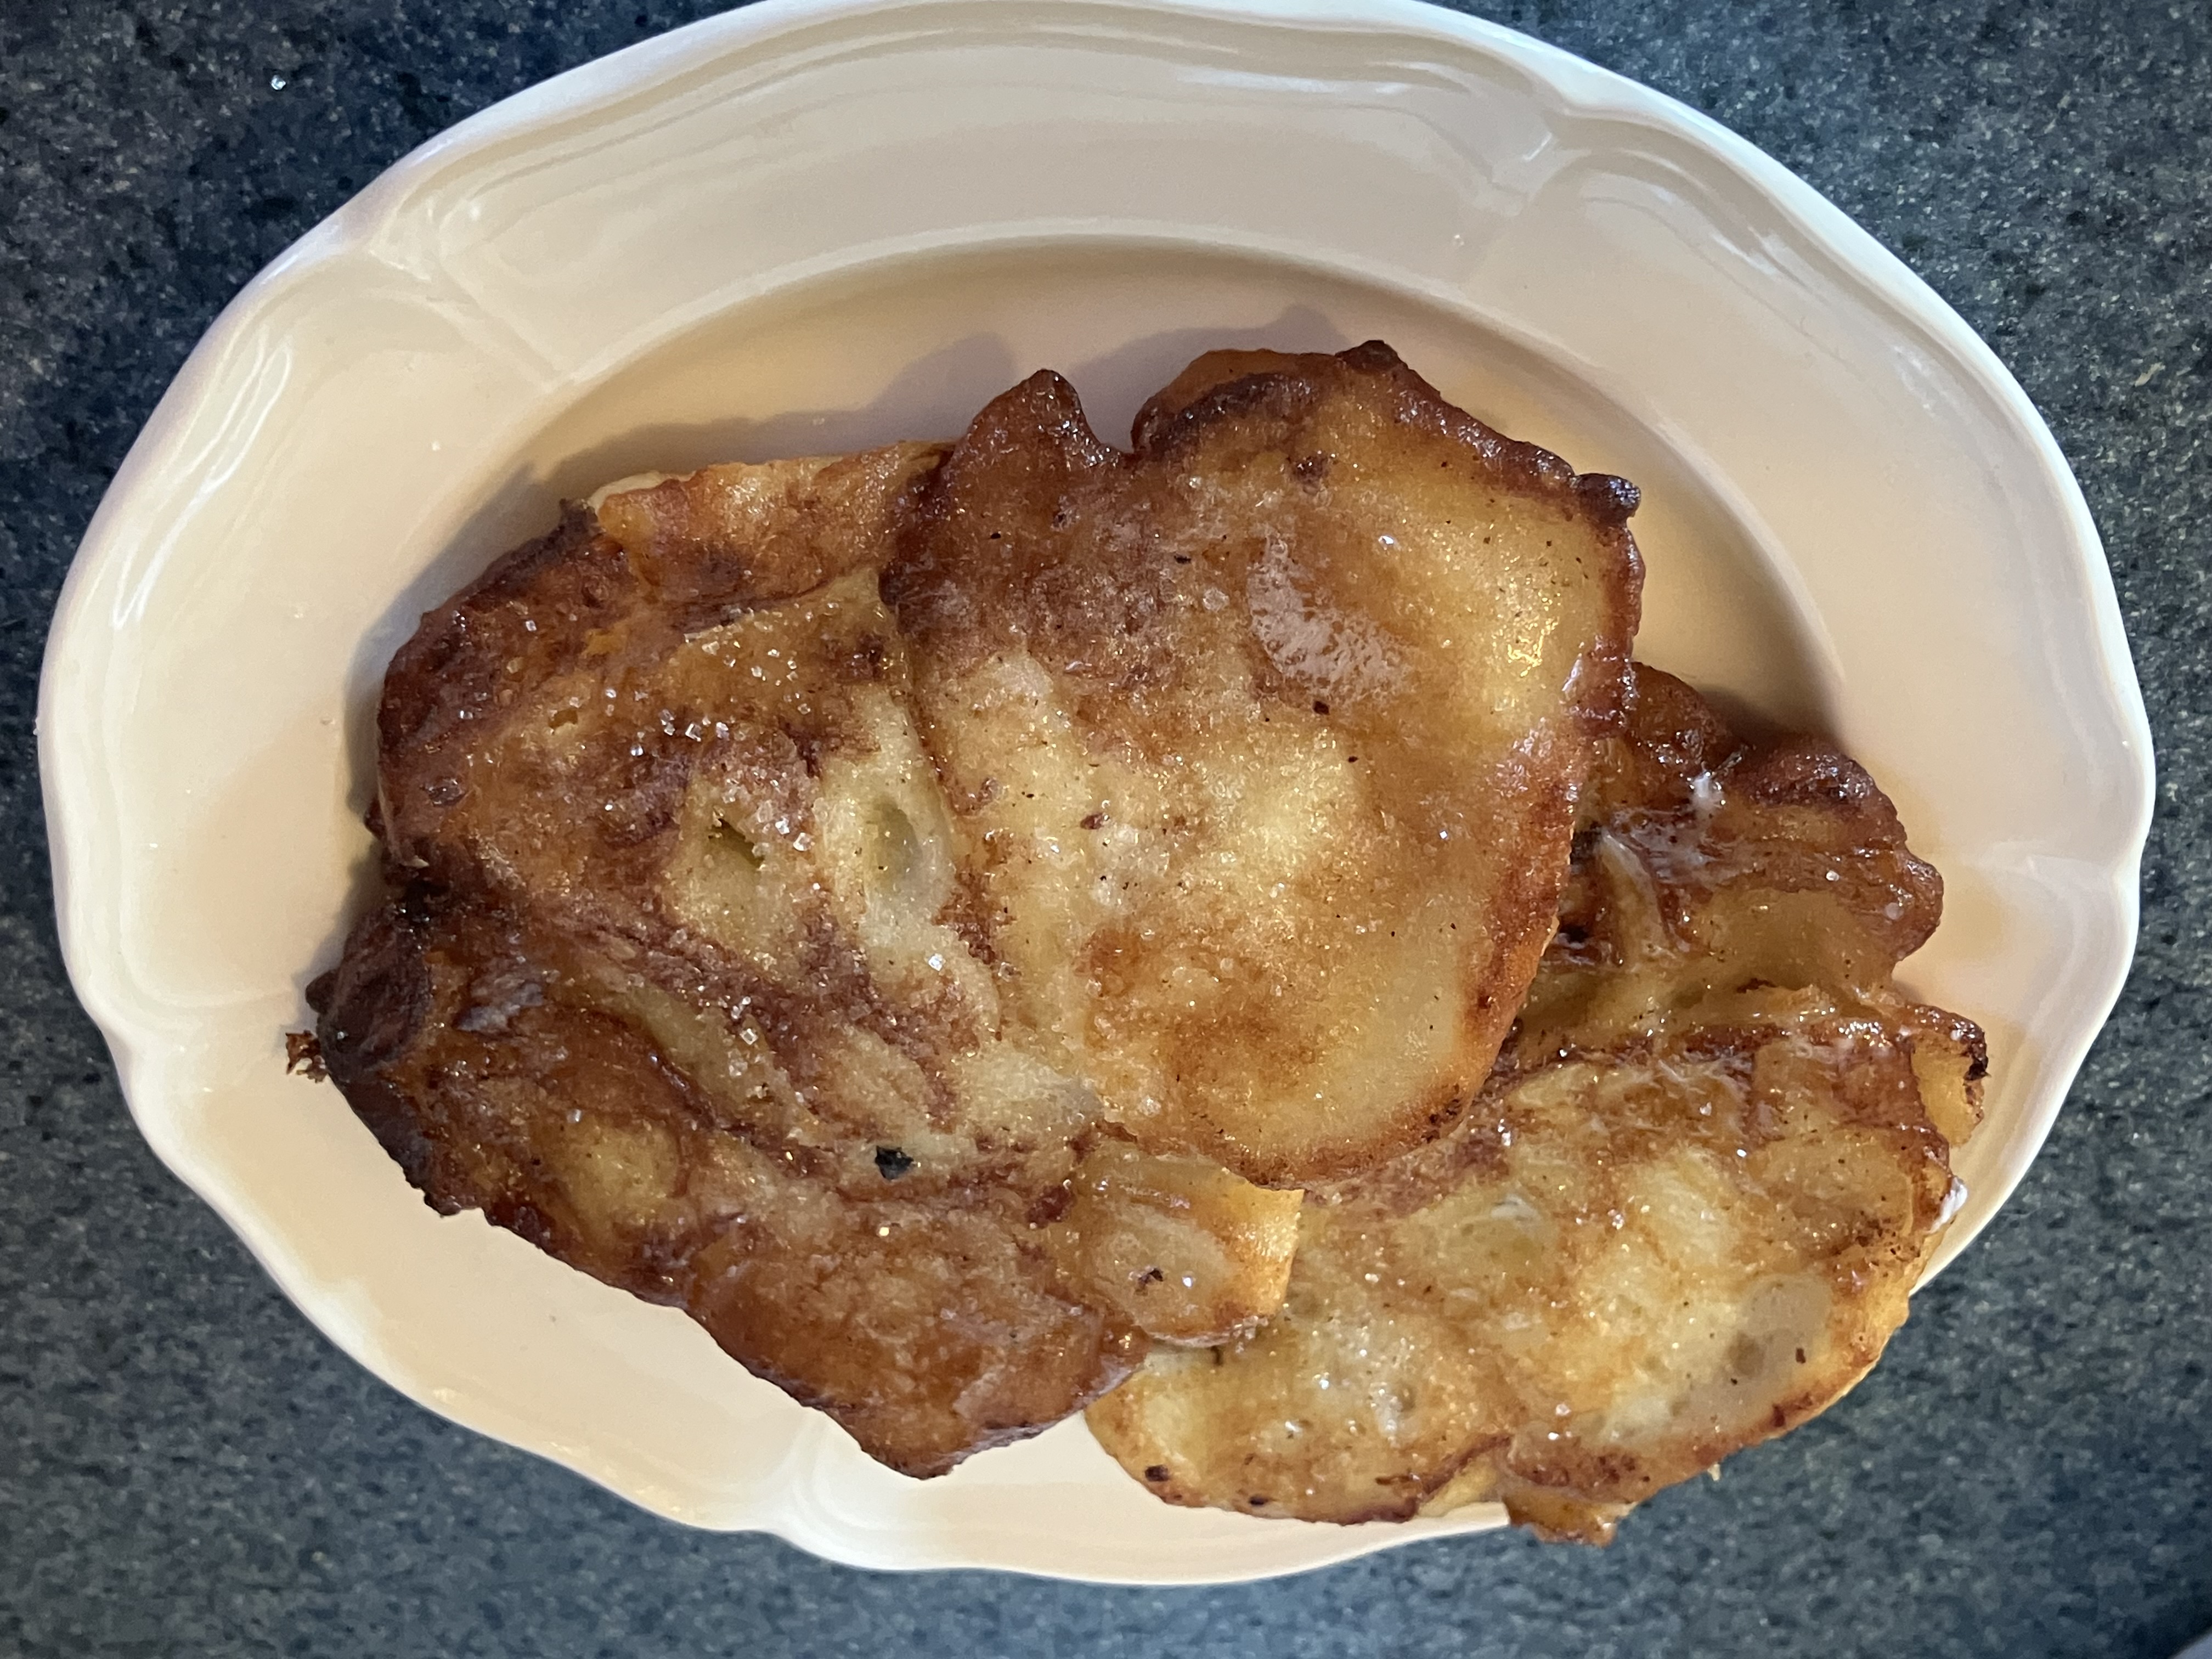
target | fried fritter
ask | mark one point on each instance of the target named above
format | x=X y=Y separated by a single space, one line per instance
x=1262 y=742
x=507 y=1072
x=1684 y=1215
x=842 y=970
x=675 y=984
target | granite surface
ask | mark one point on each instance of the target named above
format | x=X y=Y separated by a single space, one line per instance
x=186 y=1467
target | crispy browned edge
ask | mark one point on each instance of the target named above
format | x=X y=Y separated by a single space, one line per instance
x=1222 y=385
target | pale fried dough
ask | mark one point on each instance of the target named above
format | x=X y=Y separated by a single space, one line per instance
x=1684 y=1215
x=843 y=970
x=1262 y=742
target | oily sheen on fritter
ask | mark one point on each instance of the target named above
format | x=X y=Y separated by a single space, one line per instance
x=1684 y=1216
x=897 y=906
x=1260 y=745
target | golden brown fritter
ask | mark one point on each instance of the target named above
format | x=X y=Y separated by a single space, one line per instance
x=1262 y=742
x=1684 y=1216
x=509 y=1073
x=675 y=985
x=888 y=904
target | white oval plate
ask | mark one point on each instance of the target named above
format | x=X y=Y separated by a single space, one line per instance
x=806 y=227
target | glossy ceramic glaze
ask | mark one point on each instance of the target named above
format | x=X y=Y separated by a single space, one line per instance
x=807 y=227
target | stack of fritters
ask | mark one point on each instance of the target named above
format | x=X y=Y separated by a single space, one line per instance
x=896 y=905
x=1683 y=1215
x=930 y=912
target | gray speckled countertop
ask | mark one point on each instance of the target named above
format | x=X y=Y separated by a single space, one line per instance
x=187 y=1468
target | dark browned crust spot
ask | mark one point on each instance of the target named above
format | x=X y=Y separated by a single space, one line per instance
x=537 y=606
x=303 y=1055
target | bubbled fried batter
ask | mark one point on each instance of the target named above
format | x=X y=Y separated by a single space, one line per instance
x=1684 y=1216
